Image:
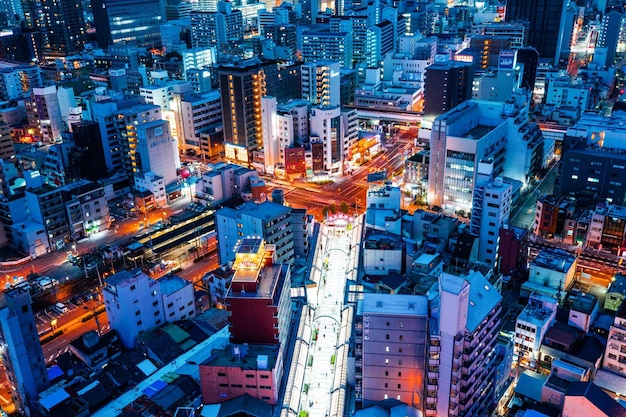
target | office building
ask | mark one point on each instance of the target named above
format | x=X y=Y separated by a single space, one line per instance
x=120 y=20
x=608 y=37
x=460 y=140
x=216 y=29
x=594 y=172
x=59 y=27
x=544 y=23
x=89 y=157
x=197 y=113
x=154 y=150
x=394 y=349
x=47 y=208
x=268 y=220
x=223 y=182
x=86 y=208
x=332 y=134
x=357 y=25
x=447 y=85
x=21 y=352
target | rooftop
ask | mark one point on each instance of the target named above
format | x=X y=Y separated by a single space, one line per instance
x=266 y=211
x=124 y=277
x=397 y=304
x=597 y=397
x=483 y=299
x=266 y=278
x=254 y=357
x=171 y=283
x=554 y=259
x=535 y=315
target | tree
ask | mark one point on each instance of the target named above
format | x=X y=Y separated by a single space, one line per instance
x=344 y=207
x=325 y=211
x=333 y=208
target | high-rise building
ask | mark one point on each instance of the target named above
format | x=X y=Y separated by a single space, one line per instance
x=395 y=343
x=460 y=140
x=60 y=25
x=242 y=85
x=218 y=28
x=321 y=83
x=327 y=46
x=154 y=150
x=529 y=57
x=357 y=26
x=21 y=352
x=447 y=85
x=462 y=381
x=121 y=20
x=90 y=159
x=611 y=23
x=48 y=112
x=544 y=23
x=491 y=208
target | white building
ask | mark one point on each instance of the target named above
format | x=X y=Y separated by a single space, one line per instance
x=327 y=139
x=382 y=254
x=583 y=311
x=198 y=58
x=149 y=181
x=48 y=111
x=224 y=181
x=196 y=114
x=383 y=209
x=157 y=151
x=272 y=147
x=321 y=83
x=177 y=298
x=532 y=324
x=614 y=356
x=553 y=268
x=133 y=304
x=491 y=208
x=87 y=209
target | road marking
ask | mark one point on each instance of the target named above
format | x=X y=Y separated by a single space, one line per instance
x=5 y=400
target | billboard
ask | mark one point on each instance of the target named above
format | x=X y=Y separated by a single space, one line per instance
x=507 y=60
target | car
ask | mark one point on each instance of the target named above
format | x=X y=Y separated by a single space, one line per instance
x=61 y=308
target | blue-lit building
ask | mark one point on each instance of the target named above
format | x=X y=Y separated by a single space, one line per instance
x=268 y=220
x=121 y=20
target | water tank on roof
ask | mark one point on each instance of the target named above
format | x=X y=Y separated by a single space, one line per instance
x=278 y=196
